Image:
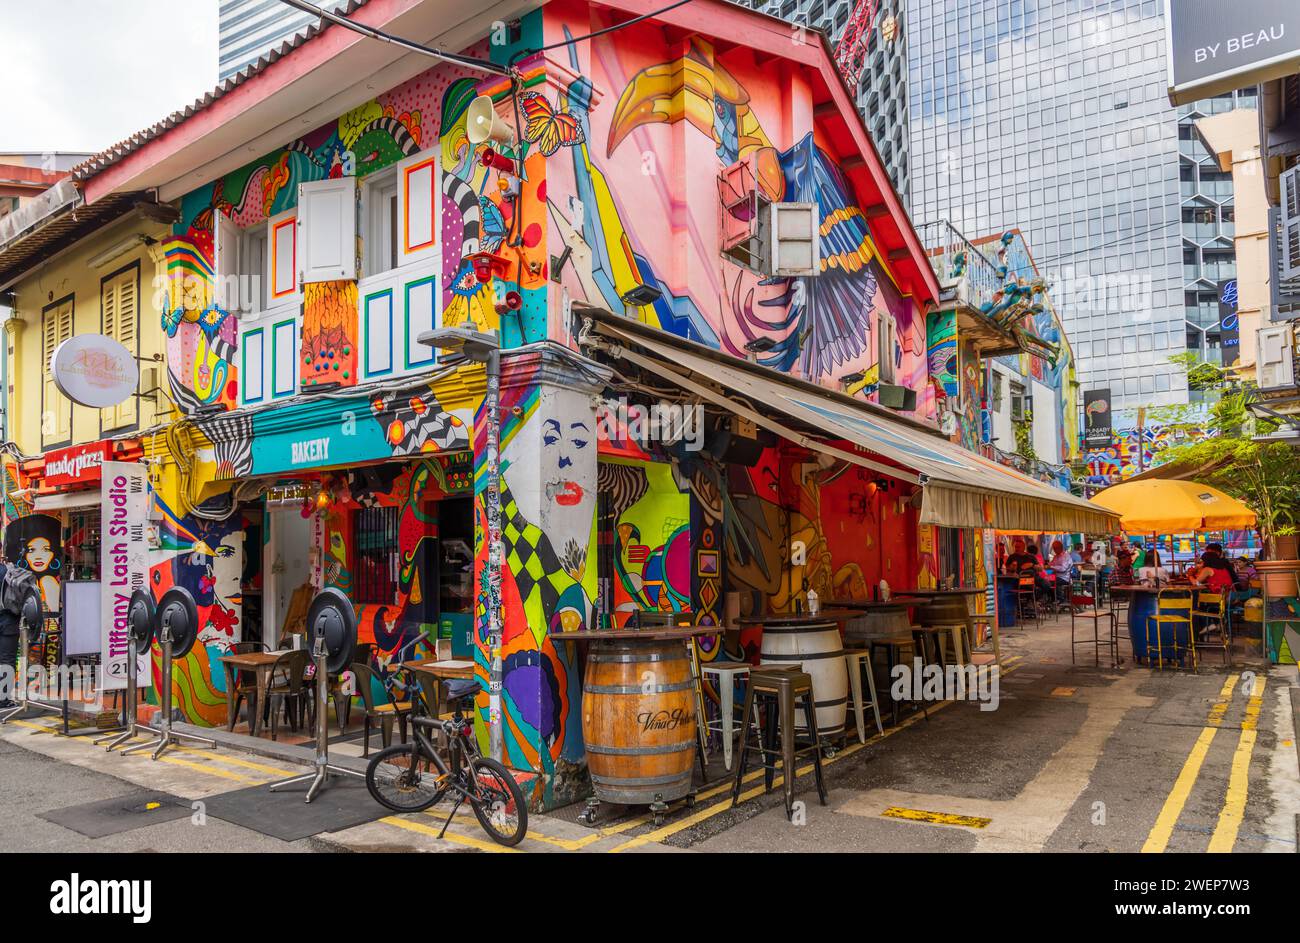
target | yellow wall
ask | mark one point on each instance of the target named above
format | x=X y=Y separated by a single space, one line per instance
x=71 y=274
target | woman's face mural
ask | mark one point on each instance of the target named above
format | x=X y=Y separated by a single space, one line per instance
x=35 y=543
x=560 y=443
x=39 y=555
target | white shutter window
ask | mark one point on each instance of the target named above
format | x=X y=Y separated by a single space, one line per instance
x=226 y=267
x=379 y=333
x=282 y=256
x=253 y=347
x=284 y=358
x=795 y=243
x=1289 y=182
x=1274 y=368
x=327 y=230
x=419 y=205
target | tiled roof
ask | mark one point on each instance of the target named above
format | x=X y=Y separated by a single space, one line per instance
x=122 y=149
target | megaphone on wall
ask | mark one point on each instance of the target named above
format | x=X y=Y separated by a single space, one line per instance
x=482 y=123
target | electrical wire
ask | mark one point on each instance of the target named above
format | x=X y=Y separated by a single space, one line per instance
x=382 y=36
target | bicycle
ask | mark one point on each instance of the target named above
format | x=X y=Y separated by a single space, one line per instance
x=412 y=777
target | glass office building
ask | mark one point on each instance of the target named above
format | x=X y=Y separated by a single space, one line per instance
x=881 y=94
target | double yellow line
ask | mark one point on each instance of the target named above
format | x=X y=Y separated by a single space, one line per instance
x=1234 y=805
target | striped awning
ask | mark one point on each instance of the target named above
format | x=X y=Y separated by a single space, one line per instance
x=960 y=488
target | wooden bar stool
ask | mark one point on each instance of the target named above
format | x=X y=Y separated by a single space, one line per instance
x=856 y=659
x=778 y=691
x=724 y=675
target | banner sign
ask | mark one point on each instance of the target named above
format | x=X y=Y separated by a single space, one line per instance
x=1214 y=47
x=1096 y=418
x=1229 y=329
x=124 y=567
x=79 y=465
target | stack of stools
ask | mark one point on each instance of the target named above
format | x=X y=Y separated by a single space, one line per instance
x=778 y=692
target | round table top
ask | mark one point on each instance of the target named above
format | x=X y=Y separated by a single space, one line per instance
x=799 y=618
x=896 y=602
x=650 y=634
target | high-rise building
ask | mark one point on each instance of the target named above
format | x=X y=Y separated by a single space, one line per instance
x=1053 y=117
x=248 y=28
x=881 y=94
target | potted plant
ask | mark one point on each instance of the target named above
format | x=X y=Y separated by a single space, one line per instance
x=1286 y=542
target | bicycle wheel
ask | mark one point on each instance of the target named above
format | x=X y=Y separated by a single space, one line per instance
x=403 y=779
x=498 y=802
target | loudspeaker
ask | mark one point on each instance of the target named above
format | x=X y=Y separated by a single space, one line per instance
x=178 y=611
x=32 y=612
x=482 y=123
x=332 y=617
x=141 y=619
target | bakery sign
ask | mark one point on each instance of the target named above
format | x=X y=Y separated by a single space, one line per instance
x=79 y=465
x=94 y=370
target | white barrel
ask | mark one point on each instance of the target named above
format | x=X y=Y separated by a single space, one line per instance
x=817 y=650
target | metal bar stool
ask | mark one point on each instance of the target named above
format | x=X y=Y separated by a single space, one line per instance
x=1027 y=601
x=1173 y=609
x=856 y=659
x=1210 y=615
x=1084 y=608
x=724 y=675
x=780 y=691
x=893 y=646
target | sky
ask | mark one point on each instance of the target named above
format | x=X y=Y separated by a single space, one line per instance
x=80 y=75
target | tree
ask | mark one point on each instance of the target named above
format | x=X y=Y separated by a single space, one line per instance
x=1263 y=475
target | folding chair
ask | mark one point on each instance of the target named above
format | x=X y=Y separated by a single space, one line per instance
x=1173 y=609
x=1210 y=615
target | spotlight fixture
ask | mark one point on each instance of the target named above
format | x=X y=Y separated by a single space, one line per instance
x=760 y=345
x=641 y=295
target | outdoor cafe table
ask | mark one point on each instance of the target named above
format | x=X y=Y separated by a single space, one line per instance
x=953 y=604
x=261 y=664
x=448 y=670
x=1143 y=604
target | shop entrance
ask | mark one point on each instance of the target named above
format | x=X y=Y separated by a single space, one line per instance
x=286 y=566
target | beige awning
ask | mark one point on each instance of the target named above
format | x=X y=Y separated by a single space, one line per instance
x=960 y=488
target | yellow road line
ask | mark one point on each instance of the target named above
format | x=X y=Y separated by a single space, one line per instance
x=1158 y=839
x=1234 y=803
x=569 y=844
x=673 y=828
x=472 y=842
x=936 y=818
x=213 y=770
x=247 y=764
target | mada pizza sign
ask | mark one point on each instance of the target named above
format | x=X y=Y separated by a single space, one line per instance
x=1215 y=46
x=79 y=465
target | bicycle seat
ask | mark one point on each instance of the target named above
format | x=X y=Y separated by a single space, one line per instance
x=462 y=688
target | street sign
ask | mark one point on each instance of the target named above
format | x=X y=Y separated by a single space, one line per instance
x=94 y=370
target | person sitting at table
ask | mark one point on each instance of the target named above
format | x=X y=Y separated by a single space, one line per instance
x=1018 y=561
x=1214 y=573
x=1043 y=580
x=1062 y=567
x=1153 y=572
x=1216 y=550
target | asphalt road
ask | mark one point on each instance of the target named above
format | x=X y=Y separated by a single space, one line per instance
x=1073 y=758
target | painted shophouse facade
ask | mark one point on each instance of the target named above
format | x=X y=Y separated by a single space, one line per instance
x=684 y=213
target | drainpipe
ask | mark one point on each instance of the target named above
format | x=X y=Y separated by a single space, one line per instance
x=496 y=552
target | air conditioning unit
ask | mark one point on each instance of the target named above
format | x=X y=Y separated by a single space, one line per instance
x=1275 y=363
x=781 y=239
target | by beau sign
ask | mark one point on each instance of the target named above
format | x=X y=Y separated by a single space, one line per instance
x=79 y=465
x=94 y=370
x=1215 y=46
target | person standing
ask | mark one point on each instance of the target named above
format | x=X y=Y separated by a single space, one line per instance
x=8 y=650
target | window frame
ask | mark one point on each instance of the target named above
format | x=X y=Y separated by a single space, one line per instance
x=47 y=375
x=111 y=277
x=367 y=588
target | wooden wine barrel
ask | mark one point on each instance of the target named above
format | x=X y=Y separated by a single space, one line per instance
x=638 y=720
x=818 y=649
x=878 y=622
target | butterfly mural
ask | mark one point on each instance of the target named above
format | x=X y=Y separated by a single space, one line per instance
x=547 y=128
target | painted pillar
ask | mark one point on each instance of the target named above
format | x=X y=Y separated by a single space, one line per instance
x=548 y=577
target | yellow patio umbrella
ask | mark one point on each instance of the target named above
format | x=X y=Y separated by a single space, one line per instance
x=1158 y=506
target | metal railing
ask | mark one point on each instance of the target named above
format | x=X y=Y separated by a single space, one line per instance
x=959 y=266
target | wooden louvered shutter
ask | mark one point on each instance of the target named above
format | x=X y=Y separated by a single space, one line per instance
x=119 y=300
x=56 y=409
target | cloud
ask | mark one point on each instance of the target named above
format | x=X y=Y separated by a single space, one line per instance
x=83 y=74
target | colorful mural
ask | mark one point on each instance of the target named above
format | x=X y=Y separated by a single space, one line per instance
x=205 y=557
x=678 y=105
x=651 y=518
x=34 y=542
